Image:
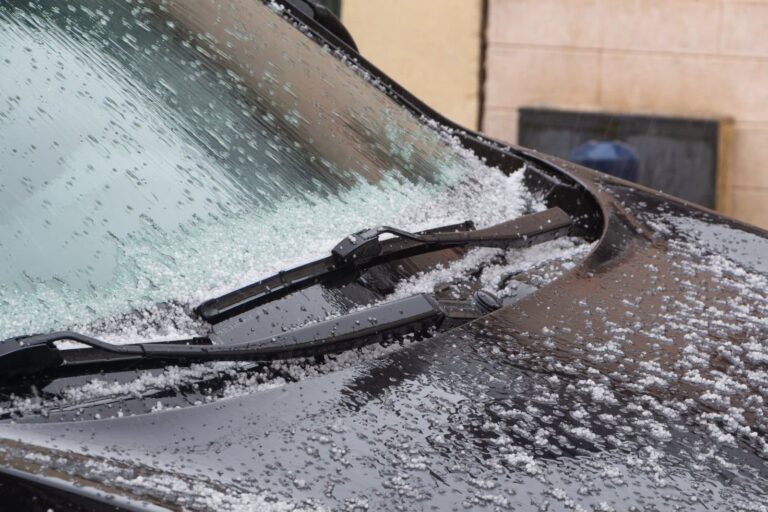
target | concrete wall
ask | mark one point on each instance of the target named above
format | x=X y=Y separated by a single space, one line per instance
x=701 y=58
x=432 y=47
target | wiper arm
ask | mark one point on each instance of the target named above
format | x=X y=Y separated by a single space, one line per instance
x=37 y=354
x=364 y=250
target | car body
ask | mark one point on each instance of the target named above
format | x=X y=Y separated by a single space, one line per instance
x=629 y=371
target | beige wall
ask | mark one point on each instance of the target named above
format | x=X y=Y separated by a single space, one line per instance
x=432 y=47
x=688 y=57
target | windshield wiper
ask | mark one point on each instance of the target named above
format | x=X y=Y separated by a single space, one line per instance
x=364 y=250
x=38 y=354
x=420 y=314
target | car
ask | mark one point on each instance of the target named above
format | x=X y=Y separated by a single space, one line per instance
x=243 y=269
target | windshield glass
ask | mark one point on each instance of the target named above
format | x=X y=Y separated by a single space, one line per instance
x=161 y=152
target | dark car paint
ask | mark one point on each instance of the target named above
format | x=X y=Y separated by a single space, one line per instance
x=351 y=434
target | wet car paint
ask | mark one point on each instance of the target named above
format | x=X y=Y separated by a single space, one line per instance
x=454 y=421
x=437 y=422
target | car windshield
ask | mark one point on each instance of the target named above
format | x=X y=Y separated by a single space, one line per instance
x=160 y=152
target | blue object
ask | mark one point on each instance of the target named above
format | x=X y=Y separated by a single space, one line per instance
x=611 y=157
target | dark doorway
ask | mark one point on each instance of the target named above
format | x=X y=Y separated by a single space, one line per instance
x=677 y=155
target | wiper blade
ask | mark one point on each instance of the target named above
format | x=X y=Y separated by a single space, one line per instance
x=37 y=355
x=364 y=250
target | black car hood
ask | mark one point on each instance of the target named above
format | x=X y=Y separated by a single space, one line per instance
x=633 y=379
x=636 y=379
